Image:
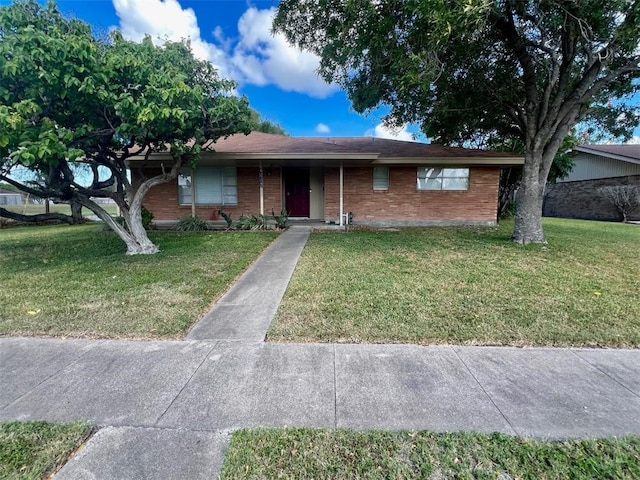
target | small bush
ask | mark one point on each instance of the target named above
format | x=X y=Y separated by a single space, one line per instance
x=147 y=220
x=227 y=218
x=191 y=224
x=253 y=222
x=282 y=220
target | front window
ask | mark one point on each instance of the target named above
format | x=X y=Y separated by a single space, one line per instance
x=443 y=178
x=211 y=185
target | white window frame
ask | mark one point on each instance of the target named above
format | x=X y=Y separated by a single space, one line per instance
x=212 y=186
x=441 y=178
x=380 y=179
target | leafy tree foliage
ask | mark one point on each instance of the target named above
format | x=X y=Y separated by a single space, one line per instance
x=464 y=70
x=259 y=124
x=71 y=103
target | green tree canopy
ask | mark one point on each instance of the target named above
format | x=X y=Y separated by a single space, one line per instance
x=259 y=124
x=68 y=99
x=465 y=70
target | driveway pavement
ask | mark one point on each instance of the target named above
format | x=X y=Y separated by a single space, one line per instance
x=167 y=407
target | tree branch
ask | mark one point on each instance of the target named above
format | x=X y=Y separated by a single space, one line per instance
x=37 y=218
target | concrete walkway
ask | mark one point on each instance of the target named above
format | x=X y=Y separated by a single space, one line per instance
x=246 y=310
x=167 y=408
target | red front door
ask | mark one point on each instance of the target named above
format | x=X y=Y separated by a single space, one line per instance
x=296 y=191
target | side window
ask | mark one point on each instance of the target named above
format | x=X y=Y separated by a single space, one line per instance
x=381 y=178
x=443 y=178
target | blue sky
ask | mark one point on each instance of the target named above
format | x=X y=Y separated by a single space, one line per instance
x=235 y=35
x=279 y=80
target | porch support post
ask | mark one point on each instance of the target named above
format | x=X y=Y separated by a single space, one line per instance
x=341 y=193
x=192 y=176
x=261 y=181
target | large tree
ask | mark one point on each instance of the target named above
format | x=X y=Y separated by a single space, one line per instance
x=74 y=109
x=525 y=69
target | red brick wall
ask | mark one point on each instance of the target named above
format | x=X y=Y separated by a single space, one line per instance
x=162 y=200
x=403 y=202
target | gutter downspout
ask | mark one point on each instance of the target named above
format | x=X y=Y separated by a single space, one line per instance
x=261 y=182
x=341 y=194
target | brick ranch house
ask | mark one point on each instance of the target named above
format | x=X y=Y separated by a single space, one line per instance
x=380 y=181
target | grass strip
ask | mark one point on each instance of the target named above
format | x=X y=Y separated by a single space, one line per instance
x=467 y=286
x=34 y=450
x=77 y=280
x=343 y=454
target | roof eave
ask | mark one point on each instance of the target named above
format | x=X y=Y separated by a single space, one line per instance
x=267 y=156
x=475 y=161
x=600 y=153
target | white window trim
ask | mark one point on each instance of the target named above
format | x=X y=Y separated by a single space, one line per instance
x=443 y=176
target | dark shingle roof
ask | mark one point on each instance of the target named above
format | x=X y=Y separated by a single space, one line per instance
x=631 y=152
x=257 y=142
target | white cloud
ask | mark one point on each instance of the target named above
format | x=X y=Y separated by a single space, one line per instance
x=382 y=131
x=264 y=58
x=322 y=128
x=255 y=57
x=166 y=19
x=635 y=140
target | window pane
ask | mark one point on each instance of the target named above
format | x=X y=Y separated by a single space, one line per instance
x=230 y=186
x=208 y=186
x=184 y=187
x=455 y=183
x=426 y=172
x=456 y=172
x=380 y=178
x=429 y=184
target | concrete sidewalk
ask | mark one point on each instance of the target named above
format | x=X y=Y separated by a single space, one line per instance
x=154 y=393
x=246 y=310
x=211 y=386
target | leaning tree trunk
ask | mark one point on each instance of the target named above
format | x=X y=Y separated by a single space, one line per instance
x=136 y=244
x=133 y=215
x=529 y=197
x=133 y=218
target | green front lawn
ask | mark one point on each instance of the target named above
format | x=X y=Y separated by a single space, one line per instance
x=77 y=280
x=467 y=286
x=33 y=450
x=344 y=454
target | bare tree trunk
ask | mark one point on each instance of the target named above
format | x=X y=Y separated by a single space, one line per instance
x=76 y=211
x=133 y=217
x=136 y=244
x=528 y=222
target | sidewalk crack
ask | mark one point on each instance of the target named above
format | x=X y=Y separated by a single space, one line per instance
x=90 y=347
x=185 y=384
x=506 y=419
x=577 y=354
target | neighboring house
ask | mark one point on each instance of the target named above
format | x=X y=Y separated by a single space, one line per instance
x=380 y=181
x=9 y=197
x=595 y=166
